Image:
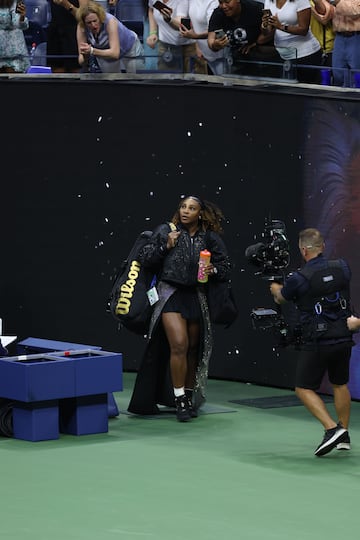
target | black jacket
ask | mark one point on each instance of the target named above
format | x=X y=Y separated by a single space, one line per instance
x=179 y=265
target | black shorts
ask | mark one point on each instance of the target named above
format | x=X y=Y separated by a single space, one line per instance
x=313 y=364
x=184 y=301
x=62 y=49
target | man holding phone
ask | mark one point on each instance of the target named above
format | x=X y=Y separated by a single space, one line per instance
x=237 y=24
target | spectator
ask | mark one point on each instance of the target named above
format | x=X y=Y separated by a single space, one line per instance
x=321 y=26
x=346 y=53
x=200 y=12
x=14 y=57
x=62 y=52
x=289 y=22
x=176 y=53
x=110 y=43
x=236 y=27
x=175 y=365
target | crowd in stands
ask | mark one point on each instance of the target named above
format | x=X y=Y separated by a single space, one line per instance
x=244 y=37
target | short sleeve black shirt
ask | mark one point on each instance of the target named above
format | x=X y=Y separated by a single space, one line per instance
x=242 y=31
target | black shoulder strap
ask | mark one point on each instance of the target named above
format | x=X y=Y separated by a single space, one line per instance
x=309 y=272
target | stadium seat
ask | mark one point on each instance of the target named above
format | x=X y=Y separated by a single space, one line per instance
x=39 y=15
x=38 y=11
x=131 y=13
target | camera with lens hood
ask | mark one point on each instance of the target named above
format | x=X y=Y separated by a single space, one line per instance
x=271 y=257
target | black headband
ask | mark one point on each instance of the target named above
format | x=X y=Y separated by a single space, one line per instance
x=197 y=199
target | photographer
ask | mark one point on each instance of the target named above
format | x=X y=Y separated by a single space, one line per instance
x=320 y=291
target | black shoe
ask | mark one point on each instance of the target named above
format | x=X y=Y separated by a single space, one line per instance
x=345 y=444
x=182 y=409
x=331 y=439
x=193 y=412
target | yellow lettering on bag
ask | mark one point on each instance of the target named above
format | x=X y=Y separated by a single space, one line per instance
x=127 y=290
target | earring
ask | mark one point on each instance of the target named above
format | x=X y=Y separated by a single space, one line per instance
x=200 y=217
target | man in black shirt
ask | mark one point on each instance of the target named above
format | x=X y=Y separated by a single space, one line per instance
x=321 y=292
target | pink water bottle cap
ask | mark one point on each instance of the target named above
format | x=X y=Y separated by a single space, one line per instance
x=204 y=260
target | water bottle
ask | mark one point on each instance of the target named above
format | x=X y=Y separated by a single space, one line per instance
x=204 y=260
x=32 y=52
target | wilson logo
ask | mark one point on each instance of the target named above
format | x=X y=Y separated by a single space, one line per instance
x=127 y=290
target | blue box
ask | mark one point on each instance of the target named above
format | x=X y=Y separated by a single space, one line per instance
x=84 y=415
x=79 y=382
x=33 y=345
x=37 y=377
x=36 y=421
x=96 y=371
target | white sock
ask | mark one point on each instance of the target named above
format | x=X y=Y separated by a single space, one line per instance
x=179 y=391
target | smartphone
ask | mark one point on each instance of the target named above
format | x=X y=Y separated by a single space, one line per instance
x=186 y=22
x=266 y=12
x=19 y=3
x=219 y=34
x=160 y=5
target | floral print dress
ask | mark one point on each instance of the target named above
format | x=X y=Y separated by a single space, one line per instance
x=13 y=50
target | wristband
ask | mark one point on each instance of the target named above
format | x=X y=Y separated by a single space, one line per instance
x=153 y=33
x=91 y=50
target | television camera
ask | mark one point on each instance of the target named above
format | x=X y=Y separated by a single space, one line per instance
x=272 y=257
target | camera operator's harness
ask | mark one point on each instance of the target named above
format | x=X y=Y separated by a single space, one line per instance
x=326 y=303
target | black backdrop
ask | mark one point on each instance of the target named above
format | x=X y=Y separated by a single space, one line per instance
x=87 y=165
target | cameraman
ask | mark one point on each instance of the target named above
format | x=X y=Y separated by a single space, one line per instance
x=321 y=292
